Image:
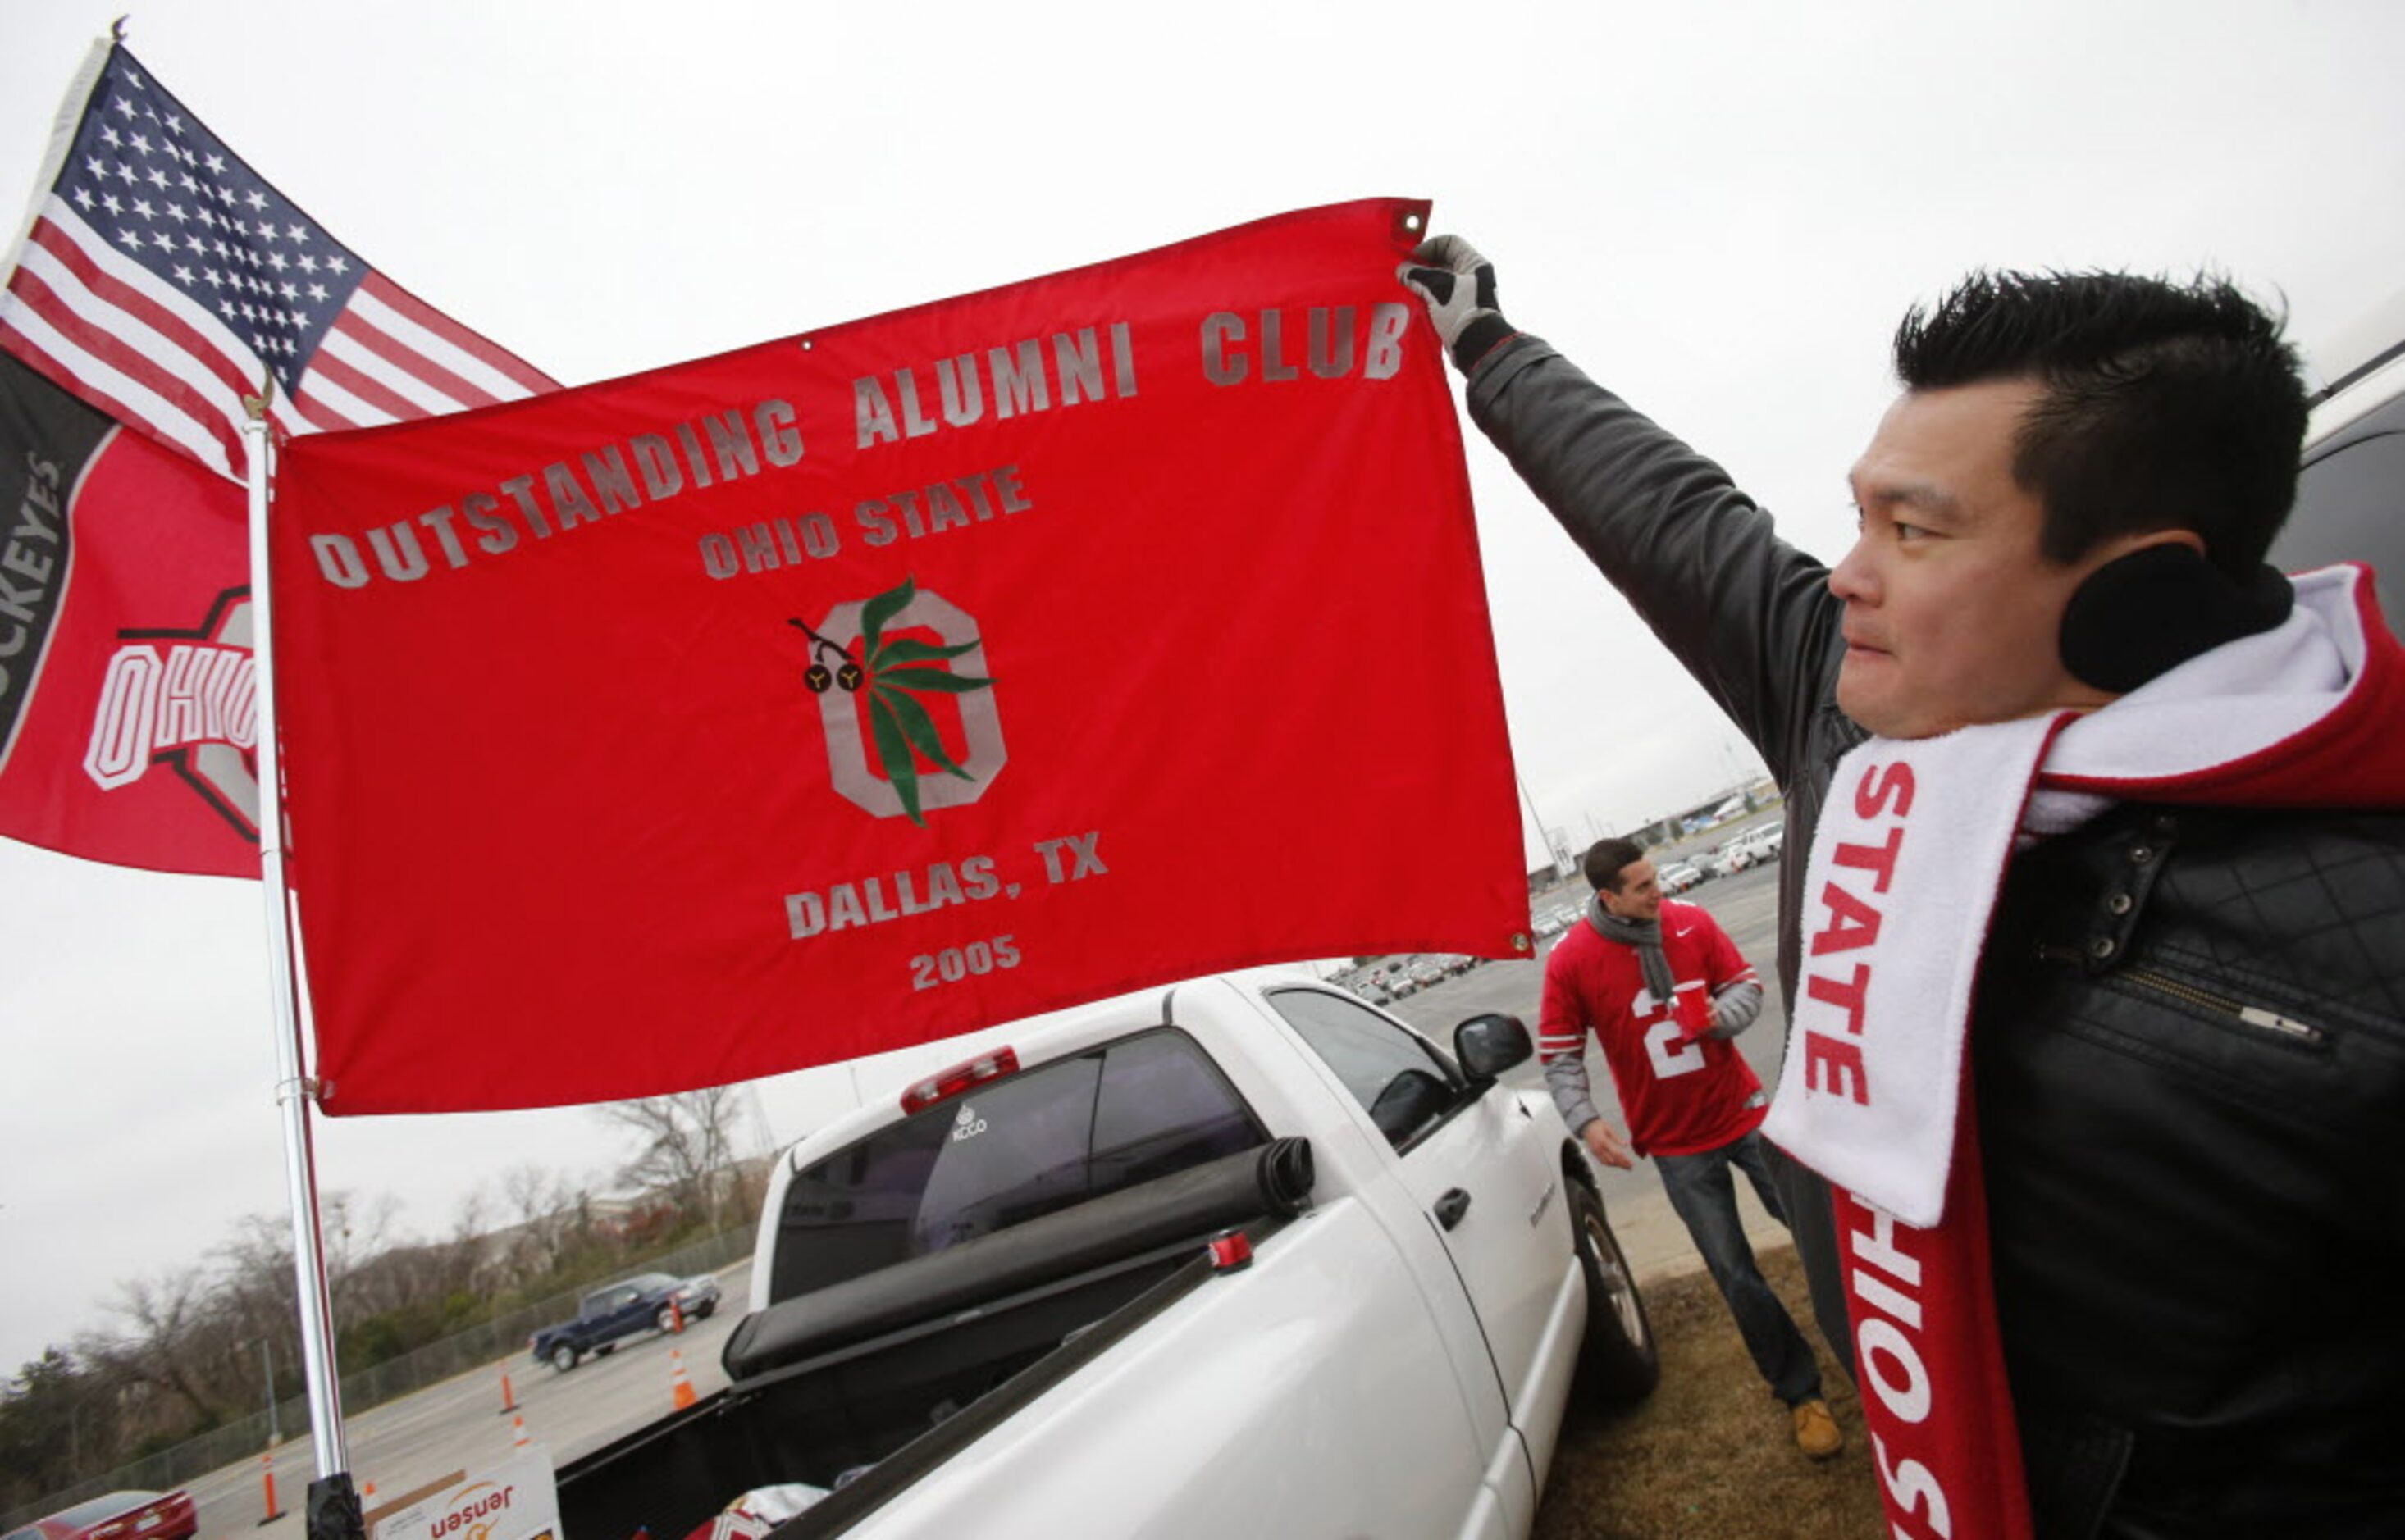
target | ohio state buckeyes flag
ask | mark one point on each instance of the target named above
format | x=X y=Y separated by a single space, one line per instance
x=126 y=743
x=893 y=680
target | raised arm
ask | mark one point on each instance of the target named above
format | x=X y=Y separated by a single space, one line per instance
x=1750 y=616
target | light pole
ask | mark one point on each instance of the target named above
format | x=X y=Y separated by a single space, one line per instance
x=267 y=1370
x=1544 y=834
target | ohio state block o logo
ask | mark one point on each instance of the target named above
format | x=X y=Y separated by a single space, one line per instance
x=849 y=763
x=186 y=699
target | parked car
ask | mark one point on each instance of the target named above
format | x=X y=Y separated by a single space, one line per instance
x=608 y=1314
x=1428 y=972
x=118 y=1516
x=699 y=1298
x=1676 y=877
x=1081 y=1285
x=1757 y=845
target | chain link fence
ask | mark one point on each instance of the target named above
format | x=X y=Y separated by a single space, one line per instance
x=503 y=1337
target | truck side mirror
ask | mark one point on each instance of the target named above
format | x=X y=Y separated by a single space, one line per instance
x=1408 y=1102
x=1486 y=1045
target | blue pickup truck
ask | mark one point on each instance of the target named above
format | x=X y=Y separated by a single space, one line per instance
x=652 y=1301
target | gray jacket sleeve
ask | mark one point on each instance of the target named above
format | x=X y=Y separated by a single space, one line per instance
x=1743 y=611
x=1566 y=1077
x=1734 y=1005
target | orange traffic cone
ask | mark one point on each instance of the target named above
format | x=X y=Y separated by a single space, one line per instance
x=676 y=1317
x=367 y=1493
x=680 y=1387
x=269 y=1513
x=509 y=1396
x=519 y=1440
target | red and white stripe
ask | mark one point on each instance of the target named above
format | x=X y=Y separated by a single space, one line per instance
x=160 y=359
x=1552 y=1046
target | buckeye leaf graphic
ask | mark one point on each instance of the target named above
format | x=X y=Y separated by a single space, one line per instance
x=910 y=649
x=931 y=679
x=919 y=727
x=899 y=673
x=893 y=753
x=877 y=612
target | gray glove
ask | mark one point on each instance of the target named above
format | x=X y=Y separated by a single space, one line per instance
x=1458 y=286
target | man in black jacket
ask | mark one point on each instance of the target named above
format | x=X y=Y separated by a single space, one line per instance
x=2186 y=1033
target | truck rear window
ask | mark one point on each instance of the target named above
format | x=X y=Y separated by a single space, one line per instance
x=1077 y=1128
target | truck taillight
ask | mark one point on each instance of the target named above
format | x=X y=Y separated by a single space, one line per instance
x=959 y=1078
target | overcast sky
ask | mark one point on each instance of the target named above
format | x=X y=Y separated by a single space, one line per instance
x=1719 y=209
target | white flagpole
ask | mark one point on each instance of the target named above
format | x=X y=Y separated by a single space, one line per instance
x=333 y=1508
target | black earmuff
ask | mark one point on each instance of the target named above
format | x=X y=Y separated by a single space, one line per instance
x=2143 y=614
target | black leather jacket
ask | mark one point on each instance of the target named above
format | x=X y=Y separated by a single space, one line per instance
x=2188 y=1049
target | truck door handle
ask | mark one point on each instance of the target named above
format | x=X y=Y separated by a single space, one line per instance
x=1451 y=1207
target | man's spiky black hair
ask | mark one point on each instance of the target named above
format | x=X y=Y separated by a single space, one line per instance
x=2165 y=405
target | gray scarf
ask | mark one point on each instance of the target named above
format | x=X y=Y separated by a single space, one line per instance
x=1645 y=935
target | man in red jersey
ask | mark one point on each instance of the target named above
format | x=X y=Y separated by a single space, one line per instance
x=1663 y=989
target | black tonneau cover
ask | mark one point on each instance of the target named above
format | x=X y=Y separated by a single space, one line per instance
x=1275 y=1179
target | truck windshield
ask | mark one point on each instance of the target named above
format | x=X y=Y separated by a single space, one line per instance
x=1132 y=1111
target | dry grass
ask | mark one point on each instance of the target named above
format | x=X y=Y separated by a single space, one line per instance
x=1711 y=1453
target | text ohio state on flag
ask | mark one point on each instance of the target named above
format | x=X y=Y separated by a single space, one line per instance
x=893 y=680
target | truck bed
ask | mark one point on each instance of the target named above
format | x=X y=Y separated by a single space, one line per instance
x=891 y=1373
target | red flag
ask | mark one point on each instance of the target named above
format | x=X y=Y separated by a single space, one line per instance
x=876 y=685
x=128 y=710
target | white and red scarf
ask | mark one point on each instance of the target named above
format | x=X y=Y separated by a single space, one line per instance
x=1904 y=869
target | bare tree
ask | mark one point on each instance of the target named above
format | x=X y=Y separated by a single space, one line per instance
x=193 y=1348
x=683 y=1141
x=466 y=1264
x=544 y=1205
x=170 y=1347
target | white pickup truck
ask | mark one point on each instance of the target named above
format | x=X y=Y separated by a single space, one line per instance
x=1243 y=1256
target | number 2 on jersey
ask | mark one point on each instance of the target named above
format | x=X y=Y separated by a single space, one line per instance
x=1671 y=1053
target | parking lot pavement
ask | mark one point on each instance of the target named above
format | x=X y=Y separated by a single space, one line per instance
x=460 y=1424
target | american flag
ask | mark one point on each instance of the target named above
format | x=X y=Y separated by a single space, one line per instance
x=162 y=276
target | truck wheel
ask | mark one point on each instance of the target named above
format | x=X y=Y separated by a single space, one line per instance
x=1618 y=1360
x=563 y=1357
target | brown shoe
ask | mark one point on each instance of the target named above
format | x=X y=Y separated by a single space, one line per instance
x=1817 y=1433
